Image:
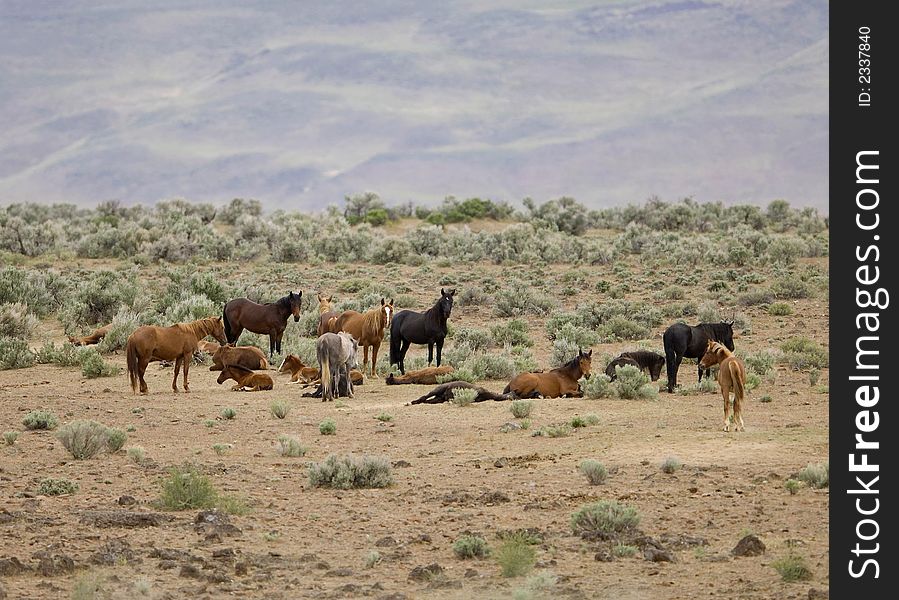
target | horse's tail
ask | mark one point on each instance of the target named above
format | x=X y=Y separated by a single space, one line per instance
x=737 y=380
x=229 y=335
x=133 y=361
x=325 y=364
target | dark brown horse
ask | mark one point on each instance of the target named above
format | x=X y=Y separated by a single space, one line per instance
x=561 y=381
x=327 y=317
x=367 y=329
x=178 y=343
x=270 y=319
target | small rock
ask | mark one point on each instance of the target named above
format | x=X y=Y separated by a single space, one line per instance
x=127 y=500
x=509 y=426
x=603 y=556
x=657 y=555
x=816 y=594
x=401 y=464
x=51 y=565
x=225 y=553
x=218 y=576
x=750 y=545
x=190 y=571
x=241 y=568
x=114 y=552
x=470 y=573
x=425 y=573
x=341 y=572
x=11 y=566
x=386 y=542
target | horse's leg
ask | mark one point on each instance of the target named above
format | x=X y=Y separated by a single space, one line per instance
x=280 y=337
x=374 y=359
x=365 y=362
x=672 y=378
x=175 y=378
x=725 y=391
x=403 y=349
x=439 y=350
x=187 y=361
x=141 y=369
x=670 y=365
x=430 y=353
x=738 y=409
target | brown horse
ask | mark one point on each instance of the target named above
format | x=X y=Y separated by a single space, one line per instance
x=731 y=376
x=426 y=376
x=270 y=319
x=561 y=381
x=327 y=317
x=247 y=380
x=367 y=329
x=93 y=338
x=208 y=347
x=248 y=357
x=299 y=372
x=177 y=342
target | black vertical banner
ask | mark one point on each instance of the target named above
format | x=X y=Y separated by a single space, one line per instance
x=863 y=265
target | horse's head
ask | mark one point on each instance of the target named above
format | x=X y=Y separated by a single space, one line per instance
x=725 y=331
x=386 y=311
x=324 y=304
x=218 y=331
x=224 y=376
x=296 y=304
x=655 y=367
x=287 y=363
x=714 y=353
x=445 y=304
x=584 y=362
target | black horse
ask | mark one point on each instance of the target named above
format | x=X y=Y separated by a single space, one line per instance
x=268 y=319
x=690 y=341
x=445 y=391
x=642 y=359
x=409 y=327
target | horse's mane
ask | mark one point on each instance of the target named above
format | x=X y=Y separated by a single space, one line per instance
x=715 y=328
x=200 y=328
x=719 y=348
x=238 y=368
x=371 y=322
x=571 y=364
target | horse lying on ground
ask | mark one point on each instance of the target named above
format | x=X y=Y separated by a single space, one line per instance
x=731 y=376
x=300 y=373
x=426 y=376
x=367 y=329
x=247 y=380
x=94 y=338
x=268 y=319
x=336 y=353
x=208 y=347
x=642 y=359
x=690 y=341
x=342 y=388
x=248 y=357
x=327 y=317
x=427 y=327
x=177 y=342
x=561 y=381
x=445 y=391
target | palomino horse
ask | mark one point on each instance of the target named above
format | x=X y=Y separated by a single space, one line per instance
x=247 y=380
x=690 y=341
x=367 y=329
x=177 y=342
x=336 y=353
x=561 y=381
x=268 y=319
x=327 y=316
x=427 y=327
x=731 y=376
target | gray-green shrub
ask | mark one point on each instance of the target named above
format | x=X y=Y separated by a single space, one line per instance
x=83 y=438
x=595 y=472
x=604 y=519
x=470 y=546
x=40 y=419
x=351 y=472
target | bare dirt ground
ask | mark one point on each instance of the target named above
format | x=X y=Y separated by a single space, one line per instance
x=454 y=472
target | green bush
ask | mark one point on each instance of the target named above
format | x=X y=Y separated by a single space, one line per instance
x=520 y=300
x=598 y=386
x=521 y=408
x=115 y=439
x=16 y=321
x=791 y=288
x=136 y=454
x=595 y=472
x=756 y=298
x=351 y=472
x=761 y=362
x=463 y=396
x=228 y=413
x=792 y=486
x=93 y=365
x=671 y=464
x=815 y=475
x=57 y=487
x=122 y=326
x=83 y=438
x=780 y=309
x=516 y=557
x=803 y=354
x=792 y=568
x=279 y=409
x=187 y=488
x=470 y=546
x=290 y=446
x=15 y=354
x=40 y=419
x=632 y=383
x=513 y=333
x=327 y=427
x=604 y=519
x=10 y=437
x=476 y=339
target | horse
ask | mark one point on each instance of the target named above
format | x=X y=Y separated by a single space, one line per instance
x=426 y=376
x=299 y=372
x=642 y=359
x=247 y=380
x=445 y=391
x=561 y=381
x=208 y=347
x=248 y=357
x=690 y=341
x=93 y=338
x=327 y=317
x=367 y=329
x=177 y=342
x=731 y=376
x=336 y=353
x=271 y=318
x=427 y=327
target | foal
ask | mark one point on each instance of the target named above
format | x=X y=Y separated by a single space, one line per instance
x=731 y=376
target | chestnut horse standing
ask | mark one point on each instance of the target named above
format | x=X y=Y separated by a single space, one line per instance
x=270 y=319
x=177 y=342
x=367 y=329
x=731 y=376
x=327 y=317
x=561 y=381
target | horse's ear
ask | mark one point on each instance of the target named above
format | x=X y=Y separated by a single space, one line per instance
x=453 y=292
x=590 y=353
x=442 y=293
x=382 y=301
x=391 y=302
x=330 y=298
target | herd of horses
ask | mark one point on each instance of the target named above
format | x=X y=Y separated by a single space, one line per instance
x=340 y=334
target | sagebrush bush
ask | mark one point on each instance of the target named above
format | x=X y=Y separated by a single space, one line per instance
x=619 y=329
x=351 y=472
x=10 y=437
x=16 y=321
x=780 y=309
x=115 y=439
x=604 y=519
x=137 y=454
x=279 y=409
x=516 y=557
x=475 y=339
x=15 y=354
x=40 y=419
x=815 y=475
x=792 y=568
x=519 y=299
x=598 y=386
x=624 y=550
x=595 y=472
x=93 y=365
x=521 y=408
x=632 y=383
x=463 y=396
x=99 y=296
x=290 y=446
x=123 y=325
x=187 y=488
x=57 y=487
x=470 y=546
x=563 y=352
x=761 y=362
x=792 y=486
x=327 y=427
x=83 y=438
x=512 y=333
x=228 y=413
x=671 y=464
x=802 y=354
x=577 y=336
x=790 y=288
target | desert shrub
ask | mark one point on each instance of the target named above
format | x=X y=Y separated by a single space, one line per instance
x=191 y=307
x=598 y=386
x=792 y=486
x=327 y=427
x=554 y=431
x=515 y=557
x=672 y=292
x=16 y=321
x=93 y=365
x=187 y=488
x=384 y=417
x=624 y=550
x=40 y=291
x=221 y=449
x=491 y=366
x=785 y=250
x=790 y=288
x=579 y=336
x=792 y=568
x=137 y=454
x=563 y=351
x=351 y=472
x=476 y=339
x=780 y=309
x=756 y=297
x=40 y=419
x=470 y=546
x=519 y=299
x=463 y=396
x=123 y=325
x=604 y=520
x=470 y=296
x=15 y=354
x=632 y=383
x=761 y=362
x=66 y=355
x=290 y=446
x=228 y=413
x=708 y=312
x=513 y=333
x=83 y=438
x=521 y=408
x=10 y=437
x=279 y=409
x=813 y=376
x=815 y=475
x=671 y=464
x=578 y=421
x=462 y=373
x=595 y=472
x=57 y=487
x=619 y=329
x=802 y=353
x=98 y=298
x=115 y=439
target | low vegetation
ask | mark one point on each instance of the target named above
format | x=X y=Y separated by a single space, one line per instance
x=470 y=546
x=187 y=488
x=605 y=519
x=57 y=487
x=83 y=438
x=595 y=472
x=516 y=556
x=290 y=446
x=351 y=472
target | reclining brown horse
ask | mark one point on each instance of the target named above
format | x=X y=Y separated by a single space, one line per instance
x=247 y=380
x=248 y=357
x=94 y=338
x=561 y=381
x=208 y=347
x=300 y=373
x=426 y=376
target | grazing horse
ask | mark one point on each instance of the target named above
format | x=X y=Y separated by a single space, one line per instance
x=561 y=381
x=271 y=318
x=248 y=357
x=427 y=327
x=247 y=380
x=731 y=376
x=336 y=353
x=94 y=338
x=367 y=329
x=177 y=342
x=642 y=359
x=690 y=341
x=445 y=392
x=327 y=317
x=426 y=376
